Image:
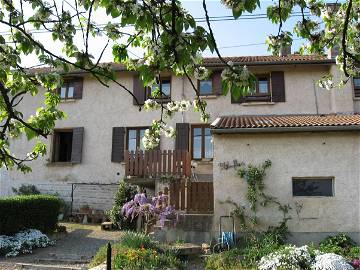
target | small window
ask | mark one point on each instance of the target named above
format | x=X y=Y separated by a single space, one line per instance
x=262 y=90
x=205 y=88
x=62 y=145
x=202 y=147
x=134 y=138
x=71 y=89
x=356 y=87
x=317 y=187
x=164 y=88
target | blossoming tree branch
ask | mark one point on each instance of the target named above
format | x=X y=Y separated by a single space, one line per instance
x=170 y=39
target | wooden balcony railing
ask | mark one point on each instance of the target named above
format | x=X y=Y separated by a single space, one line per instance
x=158 y=163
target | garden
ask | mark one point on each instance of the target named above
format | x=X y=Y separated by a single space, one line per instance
x=254 y=250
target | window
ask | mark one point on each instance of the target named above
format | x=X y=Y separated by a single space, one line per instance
x=262 y=91
x=356 y=87
x=164 y=88
x=205 y=87
x=71 y=89
x=62 y=146
x=201 y=142
x=313 y=187
x=134 y=138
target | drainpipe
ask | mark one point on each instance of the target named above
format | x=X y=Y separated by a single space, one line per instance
x=316 y=99
x=183 y=97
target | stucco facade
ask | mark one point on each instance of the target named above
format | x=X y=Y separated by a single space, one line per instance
x=308 y=154
x=101 y=109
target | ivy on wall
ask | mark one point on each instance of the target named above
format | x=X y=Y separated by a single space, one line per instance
x=254 y=176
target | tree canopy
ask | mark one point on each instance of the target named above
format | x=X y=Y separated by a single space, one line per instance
x=171 y=40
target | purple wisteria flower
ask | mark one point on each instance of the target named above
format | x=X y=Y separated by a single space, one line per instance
x=156 y=208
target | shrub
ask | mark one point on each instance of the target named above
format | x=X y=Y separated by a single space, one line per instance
x=225 y=260
x=339 y=244
x=28 y=212
x=130 y=258
x=124 y=194
x=136 y=240
x=26 y=190
x=23 y=242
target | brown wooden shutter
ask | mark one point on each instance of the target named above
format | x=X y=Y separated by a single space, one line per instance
x=77 y=143
x=118 y=144
x=278 y=86
x=78 y=85
x=182 y=136
x=216 y=83
x=138 y=91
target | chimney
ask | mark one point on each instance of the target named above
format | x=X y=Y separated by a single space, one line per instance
x=285 y=50
x=333 y=52
x=331 y=9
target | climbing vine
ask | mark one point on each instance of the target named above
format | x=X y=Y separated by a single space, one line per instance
x=254 y=176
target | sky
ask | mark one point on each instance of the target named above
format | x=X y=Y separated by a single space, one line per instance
x=234 y=37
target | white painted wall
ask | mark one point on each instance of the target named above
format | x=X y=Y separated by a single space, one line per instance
x=310 y=154
x=102 y=108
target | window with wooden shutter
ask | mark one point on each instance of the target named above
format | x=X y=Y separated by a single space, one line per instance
x=134 y=136
x=77 y=143
x=161 y=91
x=261 y=93
x=201 y=142
x=118 y=140
x=211 y=86
x=182 y=136
x=356 y=82
x=67 y=145
x=278 y=86
x=72 y=88
x=138 y=91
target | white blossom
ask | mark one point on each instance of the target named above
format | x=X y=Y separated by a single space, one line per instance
x=23 y=242
x=330 y=261
x=151 y=104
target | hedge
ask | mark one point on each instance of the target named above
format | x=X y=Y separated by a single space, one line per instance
x=28 y=212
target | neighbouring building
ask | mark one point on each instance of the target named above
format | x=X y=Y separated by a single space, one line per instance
x=311 y=135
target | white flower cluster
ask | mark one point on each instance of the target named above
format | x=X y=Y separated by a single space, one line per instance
x=290 y=258
x=297 y=258
x=23 y=242
x=151 y=137
x=178 y=106
x=330 y=261
x=151 y=105
x=201 y=73
x=238 y=75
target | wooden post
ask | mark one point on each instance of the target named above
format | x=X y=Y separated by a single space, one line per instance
x=108 y=257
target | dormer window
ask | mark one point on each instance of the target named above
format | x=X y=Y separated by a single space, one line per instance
x=205 y=87
x=72 y=88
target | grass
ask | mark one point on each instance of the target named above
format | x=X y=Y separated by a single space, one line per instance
x=100 y=256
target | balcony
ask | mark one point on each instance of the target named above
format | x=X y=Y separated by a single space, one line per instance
x=157 y=164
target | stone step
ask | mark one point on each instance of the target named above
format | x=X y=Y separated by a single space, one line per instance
x=47 y=267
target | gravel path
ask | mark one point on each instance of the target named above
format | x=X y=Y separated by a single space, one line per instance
x=79 y=244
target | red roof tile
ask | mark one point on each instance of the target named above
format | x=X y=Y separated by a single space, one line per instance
x=270 y=59
x=240 y=60
x=285 y=121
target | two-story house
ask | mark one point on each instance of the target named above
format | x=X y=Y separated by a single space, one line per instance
x=311 y=135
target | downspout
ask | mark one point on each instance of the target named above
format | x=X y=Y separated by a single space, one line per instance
x=183 y=97
x=316 y=99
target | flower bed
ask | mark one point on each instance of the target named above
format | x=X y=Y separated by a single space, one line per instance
x=23 y=242
x=138 y=251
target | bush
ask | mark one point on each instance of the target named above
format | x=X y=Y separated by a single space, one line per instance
x=138 y=251
x=22 y=243
x=137 y=240
x=124 y=194
x=340 y=244
x=26 y=190
x=130 y=258
x=28 y=212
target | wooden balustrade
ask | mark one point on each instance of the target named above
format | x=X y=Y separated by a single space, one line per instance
x=158 y=163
